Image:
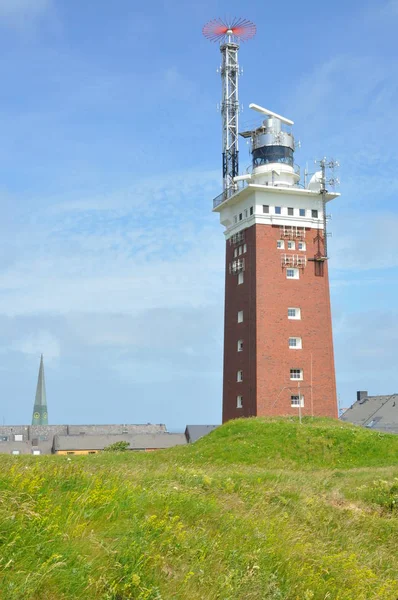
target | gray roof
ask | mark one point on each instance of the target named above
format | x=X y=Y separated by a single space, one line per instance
x=21 y=448
x=136 y=442
x=41 y=436
x=158 y=441
x=374 y=412
x=194 y=432
x=30 y=431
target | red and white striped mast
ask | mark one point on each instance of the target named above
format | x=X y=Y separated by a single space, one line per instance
x=229 y=34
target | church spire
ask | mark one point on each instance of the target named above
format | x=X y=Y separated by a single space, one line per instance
x=40 y=416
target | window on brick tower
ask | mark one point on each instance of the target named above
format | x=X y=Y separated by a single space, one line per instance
x=293 y=313
x=292 y=274
x=280 y=244
x=296 y=374
x=235 y=252
x=240 y=278
x=290 y=212
x=295 y=343
x=302 y=246
x=244 y=247
x=240 y=316
x=297 y=400
x=239 y=401
x=240 y=345
x=278 y=210
x=239 y=376
x=291 y=245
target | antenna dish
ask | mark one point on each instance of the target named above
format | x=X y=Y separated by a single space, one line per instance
x=265 y=111
x=219 y=30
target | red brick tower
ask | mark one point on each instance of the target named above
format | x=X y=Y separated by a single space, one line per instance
x=278 y=346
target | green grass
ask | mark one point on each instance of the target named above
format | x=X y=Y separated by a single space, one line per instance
x=259 y=509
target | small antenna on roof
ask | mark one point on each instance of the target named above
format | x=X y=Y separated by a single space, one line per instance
x=326 y=165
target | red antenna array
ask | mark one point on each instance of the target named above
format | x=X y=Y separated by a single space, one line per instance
x=219 y=30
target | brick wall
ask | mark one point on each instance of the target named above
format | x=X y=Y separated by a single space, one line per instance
x=240 y=297
x=267 y=359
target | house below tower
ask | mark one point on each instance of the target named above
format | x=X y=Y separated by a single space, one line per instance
x=379 y=413
x=90 y=439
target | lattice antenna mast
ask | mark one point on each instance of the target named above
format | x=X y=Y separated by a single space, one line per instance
x=229 y=34
x=328 y=167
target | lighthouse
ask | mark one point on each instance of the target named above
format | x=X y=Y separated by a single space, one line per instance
x=278 y=345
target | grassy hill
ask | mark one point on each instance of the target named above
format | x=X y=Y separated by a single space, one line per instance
x=259 y=509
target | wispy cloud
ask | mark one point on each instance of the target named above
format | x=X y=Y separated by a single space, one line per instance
x=365 y=242
x=21 y=13
x=373 y=357
x=157 y=247
x=37 y=343
x=390 y=8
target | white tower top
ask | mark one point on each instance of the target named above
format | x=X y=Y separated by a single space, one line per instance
x=272 y=149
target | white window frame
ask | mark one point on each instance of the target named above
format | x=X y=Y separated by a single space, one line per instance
x=239 y=401
x=297 y=316
x=235 y=253
x=296 y=375
x=18 y=437
x=240 y=346
x=280 y=244
x=297 y=401
x=240 y=250
x=292 y=273
x=244 y=248
x=239 y=376
x=240 y=316
x=295 y=343
x=303 y=246
x=291 y=245
x=240 y=278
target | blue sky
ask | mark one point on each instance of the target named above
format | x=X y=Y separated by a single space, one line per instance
x=111 y=262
